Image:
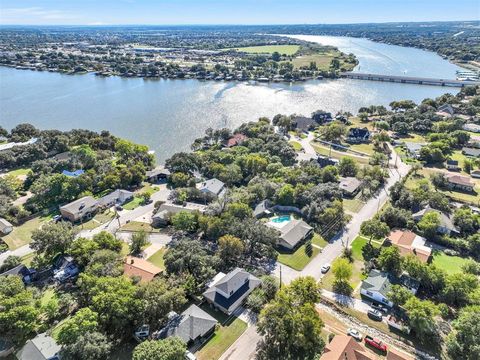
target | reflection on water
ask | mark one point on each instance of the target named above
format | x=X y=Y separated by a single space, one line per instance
x=168 y=115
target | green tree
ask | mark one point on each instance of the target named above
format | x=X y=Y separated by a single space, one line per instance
x=429 y=224
x=421 y=315
x=107 y=241
x=172 y=348
x=53 y=238
x=374 y=228
x=10 y=262
x=290 y=325
x=138 y=241
x=458 y=288
x=463 y=342
x=286 y=195
x=333 y=132
x=88 y=346
x=83 y=322
x=399 y=295
x=231 y=249
x=185 y=221
x=347 y=167
x=390 y=260
x=342 y=270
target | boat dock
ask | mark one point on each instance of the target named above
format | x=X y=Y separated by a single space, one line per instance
x=408 y=79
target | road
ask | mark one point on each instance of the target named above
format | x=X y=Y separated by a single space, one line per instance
x=345 y=237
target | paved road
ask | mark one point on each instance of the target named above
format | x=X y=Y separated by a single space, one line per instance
x=21 y=251
x=347 y=235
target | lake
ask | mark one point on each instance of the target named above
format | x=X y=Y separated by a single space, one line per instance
x=168 y=115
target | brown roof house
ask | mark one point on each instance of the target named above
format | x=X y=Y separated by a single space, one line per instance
x=79 y=209
x=135 y=266
x=459 y=182
x=236 y=139
x=227 y=292
x=343 y=347
x=410 y=243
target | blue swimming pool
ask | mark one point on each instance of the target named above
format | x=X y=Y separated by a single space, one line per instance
x=280 y=219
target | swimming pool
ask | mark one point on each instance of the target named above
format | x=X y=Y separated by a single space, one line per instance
x=280 y=219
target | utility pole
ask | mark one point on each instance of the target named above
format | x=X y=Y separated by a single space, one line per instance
x=280 y=276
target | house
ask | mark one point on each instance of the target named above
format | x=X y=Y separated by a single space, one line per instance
x=394 y=354
x=413 y=149
x=446 y=223
x=117 y=197
x=65 y=268
x=302 y=123
x=376 y=287
x=227 y=292
x=5 y=227
x=156 y=175
x=41 y=347
x=471 y=151
x=166 y=210
x=326 y=161
x=22 y=271
x=343 y=347
x=292 y=232
x=212 y=186
x=475 y=173
x=472 y=127
x=452 y=165
x=191 y=325
x=459 y=182
x=410 y=243
x=79 y=209
x=349 y=186
x=138 y=267
x=236 y=139
x=263 y=209
x=75 y=173
x=358 y=135
x=445 y=110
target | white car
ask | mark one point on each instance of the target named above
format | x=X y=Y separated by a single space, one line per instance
x=355 y=334
x=189 y=356
x=324 y=269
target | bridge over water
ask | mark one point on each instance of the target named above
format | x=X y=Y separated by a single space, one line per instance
x=408 y=79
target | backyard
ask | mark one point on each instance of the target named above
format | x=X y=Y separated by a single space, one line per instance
x=22 y=235
x=157 y=258
x=449 y=264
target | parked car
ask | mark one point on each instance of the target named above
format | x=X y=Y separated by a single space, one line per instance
x=57 y=218
x=355 y=334
x=377 y=344
x=189 y=356
x=375 y=314
x=118 y=207
x=381 y=308
x=324 y=269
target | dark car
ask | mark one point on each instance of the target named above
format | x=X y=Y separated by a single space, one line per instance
x=380 y=308
x=375 y=314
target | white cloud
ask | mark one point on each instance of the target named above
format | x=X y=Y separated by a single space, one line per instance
x=33 y=15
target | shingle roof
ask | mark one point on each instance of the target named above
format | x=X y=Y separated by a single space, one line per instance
x=344 y=347
x=459 y=180
x=471 y=151
x=17 y=270
x=41 y=347
x=262 y=207
x=134 y=266
x=212 y=185
x=75 y=206
x=377 y=281
x=189 y=325
x=358 y=132
x=410 y=243
x=445 y=219
x=349 y=184
x=294 y=231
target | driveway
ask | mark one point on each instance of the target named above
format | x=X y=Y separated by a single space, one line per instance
x=345 y=237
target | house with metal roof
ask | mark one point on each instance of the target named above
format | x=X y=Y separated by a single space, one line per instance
x=191 y=325
x=5 y=227
x=263 y=209
x=41 y=347
x=212 y=186
x=79 y=209
x=227 y=292
x=471 y=151
x=376 y=287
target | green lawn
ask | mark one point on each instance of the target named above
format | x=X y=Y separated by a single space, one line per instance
x=363 y=148
x=134 y=203
x=19 y=171
x=296 y=145
x=22 y=235
x=47 y=295
x=138 y=226
x=157 y=258
x=221 y=341
x=323 y=150
x=299 y=259
x=97 y=220
x=353 y=205
x=450 y=264
x=27 y=259
x=270 y=49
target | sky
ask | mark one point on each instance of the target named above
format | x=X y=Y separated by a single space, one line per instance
x=170 y=12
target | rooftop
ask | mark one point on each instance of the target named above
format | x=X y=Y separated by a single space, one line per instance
x=77 y=205
x=410 y=243
x=135 y=266
x=343 y=347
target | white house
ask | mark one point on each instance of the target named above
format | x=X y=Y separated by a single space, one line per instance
x=5 y=227
x=376 y=287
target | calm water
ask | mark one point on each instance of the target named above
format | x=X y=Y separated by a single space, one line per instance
x=168 y=115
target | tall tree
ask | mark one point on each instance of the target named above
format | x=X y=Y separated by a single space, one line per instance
x=53 y=238
x=91 y=345
x=84 y=321
x=374 y=228
x=464 y=341
x=172 y=348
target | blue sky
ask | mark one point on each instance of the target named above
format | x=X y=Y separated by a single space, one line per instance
x=96 y=12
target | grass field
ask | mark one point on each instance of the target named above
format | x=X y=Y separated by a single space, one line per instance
x=19 y=171
x=353 y=205
x=322 y=150
x=22 y=235
x=157 y=258
x=364 y=148
x=138 y=226
x=319 y=240
x=97 y=220
x=296 y=145
x=298 y=259
x=322 y=57
x=450 y=264
x=228 y=331
x=134 y=203
x=270 y=49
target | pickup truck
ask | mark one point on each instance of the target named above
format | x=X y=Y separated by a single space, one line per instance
x=377 y=344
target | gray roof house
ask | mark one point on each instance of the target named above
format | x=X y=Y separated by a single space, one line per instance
x=227 y=292
x=191 y=325
x=118 y=196
x=262 y=209
x=79 y=209
x=303 y=123
x=376 y=287
x=349 y=186
x=5 y=227
x=446 y=223
x=471 y=151
x=212 y=186
x=41 y=347
x=157 y=174
x=166 y=210
x=293 y=233
x=413 y=149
